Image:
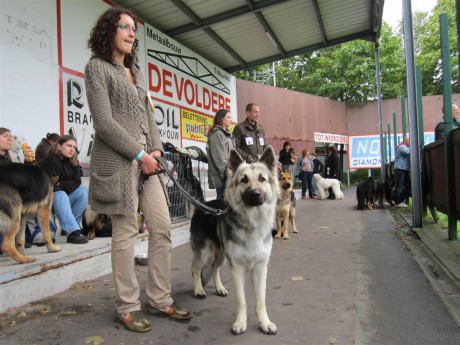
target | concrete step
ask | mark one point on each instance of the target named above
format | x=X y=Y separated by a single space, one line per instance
x=52 y=273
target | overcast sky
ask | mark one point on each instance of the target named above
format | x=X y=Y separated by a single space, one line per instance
x=392 y=9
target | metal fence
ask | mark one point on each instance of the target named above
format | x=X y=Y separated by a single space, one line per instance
x=192 y=176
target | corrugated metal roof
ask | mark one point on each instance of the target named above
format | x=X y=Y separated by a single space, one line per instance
x=239 y=34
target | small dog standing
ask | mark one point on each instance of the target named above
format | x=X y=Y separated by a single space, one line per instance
x=324 y=183
x=243 y=235
x=25 y=191
x=286 y=206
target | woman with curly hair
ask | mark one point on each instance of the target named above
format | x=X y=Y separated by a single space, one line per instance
x=70 y=197
x=126 y=140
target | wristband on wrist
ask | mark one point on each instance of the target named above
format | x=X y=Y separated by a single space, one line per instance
x=139 y=155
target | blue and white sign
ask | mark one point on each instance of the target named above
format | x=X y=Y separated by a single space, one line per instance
x=364 y=150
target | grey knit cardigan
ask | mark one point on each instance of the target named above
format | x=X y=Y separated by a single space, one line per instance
x=120 y=115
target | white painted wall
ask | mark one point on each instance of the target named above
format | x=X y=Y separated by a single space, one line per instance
x=43 y=52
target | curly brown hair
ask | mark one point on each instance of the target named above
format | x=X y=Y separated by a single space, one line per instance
x=103 y=34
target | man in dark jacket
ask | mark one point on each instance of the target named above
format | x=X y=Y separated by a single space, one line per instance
x=249 y=135
x=440 y=129
x=333 y=168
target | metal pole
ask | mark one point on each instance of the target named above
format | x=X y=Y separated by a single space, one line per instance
x=447 y=102
x=389 y=143
x=421 y=128
x=385 y=148
x=413 y=123
x=395 y=136
x=379 y=108
x=403 y=116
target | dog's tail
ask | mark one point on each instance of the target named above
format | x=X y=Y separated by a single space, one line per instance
x=206 y=273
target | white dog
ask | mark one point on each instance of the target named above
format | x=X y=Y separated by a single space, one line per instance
x=325 y=183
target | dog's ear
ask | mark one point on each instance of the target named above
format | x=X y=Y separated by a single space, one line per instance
x=234 y=161
x=268 y=158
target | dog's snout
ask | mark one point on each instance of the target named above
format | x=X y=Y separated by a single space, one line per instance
x=253 y=197
x=287 y=185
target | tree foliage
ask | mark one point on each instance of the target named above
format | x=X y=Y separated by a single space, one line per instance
x=346 y=72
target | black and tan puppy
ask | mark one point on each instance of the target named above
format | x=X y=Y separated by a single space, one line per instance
x=286 y=206
x=25 y=191
x=96 y=224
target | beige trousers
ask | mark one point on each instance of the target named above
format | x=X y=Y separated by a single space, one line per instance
x=153 y=205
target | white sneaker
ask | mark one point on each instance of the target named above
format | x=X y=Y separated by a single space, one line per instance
x=403 y=205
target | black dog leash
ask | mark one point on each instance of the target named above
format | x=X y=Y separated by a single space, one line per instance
x=204 y=208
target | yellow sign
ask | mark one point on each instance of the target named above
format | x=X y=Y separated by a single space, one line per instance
x=195 y=126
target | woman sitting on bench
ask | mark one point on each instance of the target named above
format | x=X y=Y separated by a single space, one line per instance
x=70 y=198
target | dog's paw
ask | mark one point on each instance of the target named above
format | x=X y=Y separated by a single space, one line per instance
x=239 y=328
x=54 y=248
x=200 y=294
x=269 y=328
x=222 y=292
x=24 y=259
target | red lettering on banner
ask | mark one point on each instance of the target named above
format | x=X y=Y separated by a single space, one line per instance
x=206 y=99
x=221 y=102
x=167 y=83
x=195 y=94
x=198 y=104
x=179 y=89
x=189 y=95
x=154 y=69
x=214 y=102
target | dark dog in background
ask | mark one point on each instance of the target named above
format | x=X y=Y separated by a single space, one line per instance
x=370 y=193
x=364 y=192
x=25 y=191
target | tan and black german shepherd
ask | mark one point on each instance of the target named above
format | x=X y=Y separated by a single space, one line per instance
x=286 y=206
x=242 y=235
x=25 y=191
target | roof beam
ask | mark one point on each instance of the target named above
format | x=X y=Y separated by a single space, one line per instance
x=319 y=18
x=364 y=35
x=211 y=33
x=200 y=24
x=270 y=32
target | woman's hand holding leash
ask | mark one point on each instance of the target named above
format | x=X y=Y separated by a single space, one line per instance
x=149 y=165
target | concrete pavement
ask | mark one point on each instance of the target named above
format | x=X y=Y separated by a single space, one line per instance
x=346 y=278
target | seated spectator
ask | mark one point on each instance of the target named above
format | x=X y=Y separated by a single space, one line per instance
x=6 y=144
x=70 y=198
x=42 y=149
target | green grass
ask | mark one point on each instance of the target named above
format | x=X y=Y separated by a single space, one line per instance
x=443 y=222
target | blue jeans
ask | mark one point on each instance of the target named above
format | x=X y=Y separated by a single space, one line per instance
x=70 y=208
x=306 y=183
x=401 y=180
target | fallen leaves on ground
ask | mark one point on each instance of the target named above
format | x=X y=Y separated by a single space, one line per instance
x=95 y=340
